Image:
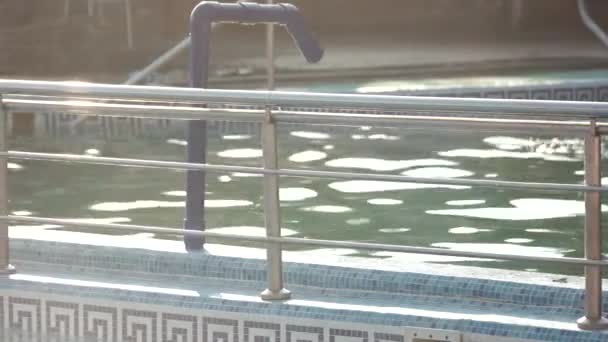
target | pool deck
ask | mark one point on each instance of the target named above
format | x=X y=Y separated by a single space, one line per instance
x=391 y=50
x=368 y=57
x=238 y=55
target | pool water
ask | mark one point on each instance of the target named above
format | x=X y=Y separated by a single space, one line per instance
x=454 y=217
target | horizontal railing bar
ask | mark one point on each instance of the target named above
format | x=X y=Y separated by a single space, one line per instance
x=297 y=173
x=311 y=100
x=84 y=107
x=20 y=101
x=77 y=158
x=431 y=121
x=140 y=111
x=305 y=242
x=252 y=115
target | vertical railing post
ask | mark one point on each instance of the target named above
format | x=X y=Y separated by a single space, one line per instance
x=593 y=319
x=270 y=70
x=272 y=202
x=275 y=290
x=5 y=266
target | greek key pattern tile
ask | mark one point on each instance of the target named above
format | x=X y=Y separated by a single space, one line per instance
x=261 y=332
x=62 y=320
x=220 y=330
x=24 y=315
x=179 y=328
x=100 y=323
x=347 y=335
x=383 y=337
x=300 y=333
x=583 y=93
x=139 y=326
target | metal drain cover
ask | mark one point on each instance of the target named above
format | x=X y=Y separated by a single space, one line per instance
x=432 y=335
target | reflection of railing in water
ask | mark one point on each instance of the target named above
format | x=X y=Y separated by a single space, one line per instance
x=58 y=125
x=586 y=119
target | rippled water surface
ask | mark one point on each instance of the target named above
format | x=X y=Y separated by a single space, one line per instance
x=445 y=216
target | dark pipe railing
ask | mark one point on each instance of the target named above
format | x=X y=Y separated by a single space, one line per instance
x=203 y=15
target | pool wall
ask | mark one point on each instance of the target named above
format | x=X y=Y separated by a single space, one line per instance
x=60 y=124
x=65 y=291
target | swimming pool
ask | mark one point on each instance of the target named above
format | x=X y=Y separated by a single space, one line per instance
x=453 y=217
x=145 y=287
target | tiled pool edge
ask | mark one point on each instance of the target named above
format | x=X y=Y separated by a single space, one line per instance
x=80 y=258
x=29 y=299
x=234 y=268
x=569 y=90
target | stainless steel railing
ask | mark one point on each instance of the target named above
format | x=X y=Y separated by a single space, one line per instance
x=270 y=108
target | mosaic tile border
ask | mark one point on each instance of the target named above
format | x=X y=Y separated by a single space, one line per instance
x=110 y=321
x=331 y=277
x=204 y=294
x=566 y=91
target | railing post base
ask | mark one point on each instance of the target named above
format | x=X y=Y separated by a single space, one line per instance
x=10 y=269
x=282 y=294
x=585 y=323
x=193 y=242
